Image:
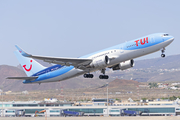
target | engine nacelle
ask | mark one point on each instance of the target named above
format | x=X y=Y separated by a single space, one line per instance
x=100 y=61
x=124 y=65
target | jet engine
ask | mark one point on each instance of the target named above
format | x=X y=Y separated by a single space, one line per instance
x=100 y=61
x=124 y=65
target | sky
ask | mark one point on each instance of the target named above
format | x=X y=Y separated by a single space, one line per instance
x=73 y=28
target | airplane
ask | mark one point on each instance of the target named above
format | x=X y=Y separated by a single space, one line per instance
x=119 y=57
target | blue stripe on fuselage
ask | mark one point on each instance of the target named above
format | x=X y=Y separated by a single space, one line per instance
x=51 y=74
x=49 y=69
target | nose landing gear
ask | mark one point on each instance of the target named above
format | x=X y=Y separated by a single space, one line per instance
x=162 y=55
x=163 y=50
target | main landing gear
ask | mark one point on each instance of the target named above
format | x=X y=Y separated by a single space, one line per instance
x=103 y=76
x=100 y=76
x=88 y=75
x=163 y=50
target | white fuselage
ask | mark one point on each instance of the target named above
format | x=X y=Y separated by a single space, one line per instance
x=120 y=55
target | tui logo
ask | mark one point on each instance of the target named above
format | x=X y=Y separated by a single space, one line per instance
x=24 y=66
x=142 y=41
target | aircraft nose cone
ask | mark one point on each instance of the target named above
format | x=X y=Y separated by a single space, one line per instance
x=172 y=38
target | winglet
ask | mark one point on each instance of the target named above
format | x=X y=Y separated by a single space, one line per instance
x=23 y=53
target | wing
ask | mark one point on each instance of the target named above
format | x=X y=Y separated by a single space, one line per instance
x=23 y=78
x=76 y=62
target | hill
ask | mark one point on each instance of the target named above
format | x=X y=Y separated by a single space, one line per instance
x=169 y=62
x=17 y=85
x=121 y=84
x=149 y=70
x=153 y=70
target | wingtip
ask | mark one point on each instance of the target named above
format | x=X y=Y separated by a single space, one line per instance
x=19 y=49
x=22 y=52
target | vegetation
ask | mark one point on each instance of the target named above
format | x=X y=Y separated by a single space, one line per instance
x=117 y=99
x=176 y=86
x=144 y=99
x=164 y=98
x=153 y=85
x=171 y=98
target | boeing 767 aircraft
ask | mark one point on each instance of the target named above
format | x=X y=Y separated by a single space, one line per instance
x=119 y=57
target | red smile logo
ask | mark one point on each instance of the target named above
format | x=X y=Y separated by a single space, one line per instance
x=24 y=66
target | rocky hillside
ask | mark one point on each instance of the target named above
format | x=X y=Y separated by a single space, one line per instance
x=150 y=70
x=169 y=62
x=17 y=85
x=153 y=70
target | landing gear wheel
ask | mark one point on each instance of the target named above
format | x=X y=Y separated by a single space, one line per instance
x=88 y=75
x=162 y=55
x=85 y=75
x=91 y=75
x=103 y=77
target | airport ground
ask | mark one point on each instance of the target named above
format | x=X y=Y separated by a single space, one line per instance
x=96 y=118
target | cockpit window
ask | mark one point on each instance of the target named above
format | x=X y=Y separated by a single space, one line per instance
x=165 y=34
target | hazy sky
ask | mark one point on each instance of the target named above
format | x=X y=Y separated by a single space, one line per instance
x=73 y=28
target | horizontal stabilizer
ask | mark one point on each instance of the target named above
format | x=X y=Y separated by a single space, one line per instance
x=23 y=78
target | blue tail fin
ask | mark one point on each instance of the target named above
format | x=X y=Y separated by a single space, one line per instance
x=29 y=65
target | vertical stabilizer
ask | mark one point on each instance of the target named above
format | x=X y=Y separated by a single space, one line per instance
x=29 y=65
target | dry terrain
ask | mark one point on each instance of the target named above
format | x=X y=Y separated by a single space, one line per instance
x=117 y=89
x=120 y=86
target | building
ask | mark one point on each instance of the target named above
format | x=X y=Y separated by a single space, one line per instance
x=28 y=109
